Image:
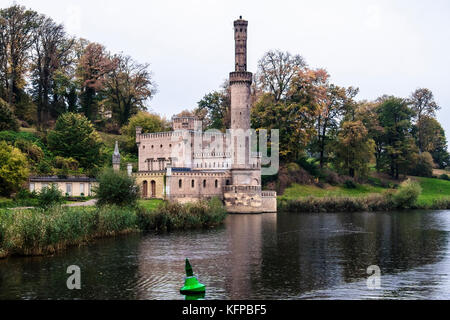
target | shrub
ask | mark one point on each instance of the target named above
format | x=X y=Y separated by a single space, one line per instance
x=8 y=120
x=424 y=166
x=13 y=169
x=349 y=184
x=407 y=194
x=444 y=177
x=74 y=136
x=50 y=197
x=116 y=188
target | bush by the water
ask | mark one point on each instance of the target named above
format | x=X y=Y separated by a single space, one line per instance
x=174 y=216
x=407 y=195
x=116 y=188
x=49 y=197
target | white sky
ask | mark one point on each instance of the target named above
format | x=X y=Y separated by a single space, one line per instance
x=382 y=47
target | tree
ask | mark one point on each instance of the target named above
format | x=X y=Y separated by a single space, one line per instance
x=16 y=37
x=93 y=68
x=51 y=46
x=433 y=140
x=7 y=119
x=395 y=117
x=13 y=169
x=213 y=110
x=332 y=107
x=423 y=104
x=149 y=122
x=276 y=70
x=128 y=87
x=74 y=136
x=422 y=166
x=366 y=112
x=354 y=149
x=116 y=188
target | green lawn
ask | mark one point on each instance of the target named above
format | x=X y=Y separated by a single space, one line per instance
x=297 y=191
x=150 y=204
x=433 y=189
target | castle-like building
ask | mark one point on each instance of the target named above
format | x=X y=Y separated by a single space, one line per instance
x=188 y=164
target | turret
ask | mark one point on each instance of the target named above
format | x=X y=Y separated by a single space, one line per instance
x=116 y=158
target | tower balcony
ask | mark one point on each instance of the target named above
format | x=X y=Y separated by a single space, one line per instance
x=241 y=76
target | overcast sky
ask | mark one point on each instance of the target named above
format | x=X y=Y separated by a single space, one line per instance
x=382 y=47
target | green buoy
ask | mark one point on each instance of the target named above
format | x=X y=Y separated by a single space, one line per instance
x=191 y=284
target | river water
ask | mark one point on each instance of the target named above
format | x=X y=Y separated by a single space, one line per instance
x=284 y=256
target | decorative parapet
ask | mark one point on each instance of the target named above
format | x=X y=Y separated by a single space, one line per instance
x=241 y=76
x=268 y=194
x=201 y=155
x=241 y=188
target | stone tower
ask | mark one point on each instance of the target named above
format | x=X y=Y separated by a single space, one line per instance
x=246 y=170
x=240 y=79
x=116 y=158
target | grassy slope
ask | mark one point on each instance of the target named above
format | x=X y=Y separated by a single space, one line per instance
x=296 y=191
x=432 y=189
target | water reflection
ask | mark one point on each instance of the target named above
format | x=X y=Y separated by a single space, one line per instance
x=285 y=256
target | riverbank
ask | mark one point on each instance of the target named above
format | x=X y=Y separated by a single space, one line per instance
x=36 y=232
x=434 y=195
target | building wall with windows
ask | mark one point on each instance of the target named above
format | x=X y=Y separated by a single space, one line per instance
x=72 y=187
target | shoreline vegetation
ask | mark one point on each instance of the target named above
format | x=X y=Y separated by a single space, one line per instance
x=414 y=193
x=37 y=232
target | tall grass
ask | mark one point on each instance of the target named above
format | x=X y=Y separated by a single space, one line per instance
x=174 y=216
x=40 y=232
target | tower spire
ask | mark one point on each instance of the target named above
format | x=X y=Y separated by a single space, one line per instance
x=116 y=158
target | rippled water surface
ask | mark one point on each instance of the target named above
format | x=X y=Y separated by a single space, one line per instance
x=285 y=256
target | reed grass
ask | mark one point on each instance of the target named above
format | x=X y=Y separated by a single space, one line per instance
x=40 y=232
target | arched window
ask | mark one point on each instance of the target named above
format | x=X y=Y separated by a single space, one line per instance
x=217 y=183
x=180 y=183
x=193 y=183
x=204 y=183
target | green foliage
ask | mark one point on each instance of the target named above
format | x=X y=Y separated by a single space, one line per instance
x=407 y=195
x=354 y=149
x=349 y=184
x=399 y=147
x=8 y=121
x=213 y=110
x=174 y=216
x=444 y=177
x=116 y=188
x=75 y=137
x=49 y=197
x=13 y=169
x=423 y=166
x=149 y=122
x=336 y=204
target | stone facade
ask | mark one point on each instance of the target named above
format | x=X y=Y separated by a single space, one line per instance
x=70 y=186
x=188 y=164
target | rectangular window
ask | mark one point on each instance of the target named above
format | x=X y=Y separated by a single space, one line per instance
x=32 y=187
x=82 y=193
x=69 y=189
